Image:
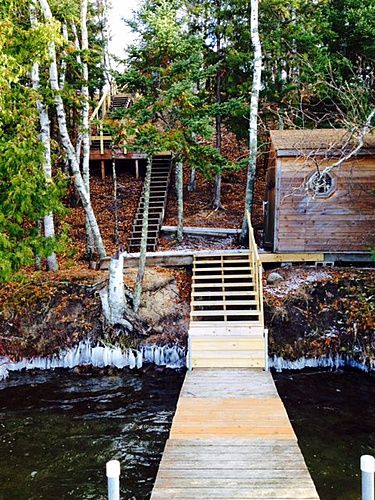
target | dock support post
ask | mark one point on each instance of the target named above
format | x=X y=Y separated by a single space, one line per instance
x=102 y=165
x=266 y=363
x=136 y=169
x=189 y=356
x=113 y=475
x=368 y=470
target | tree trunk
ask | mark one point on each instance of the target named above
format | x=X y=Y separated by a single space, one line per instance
x=49 y=226
x=253 y=128
x=143 y=250
x=38 y=260
x=114 y=299
x=115 y=202
x=67 y=143
x=193 y=180
x=63 y=61
x=79 y=61
x=216 y=203
x=180 y=200
x=85 y=132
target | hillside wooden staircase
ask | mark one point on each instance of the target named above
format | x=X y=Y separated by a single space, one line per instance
x=226 y=320
x=160 y=178
x=110 y=101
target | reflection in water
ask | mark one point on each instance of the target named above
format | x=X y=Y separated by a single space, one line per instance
x=58 y=429
x=333 y=415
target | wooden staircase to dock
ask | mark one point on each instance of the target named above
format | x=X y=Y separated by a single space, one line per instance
x=160 y=178
x=226 y=319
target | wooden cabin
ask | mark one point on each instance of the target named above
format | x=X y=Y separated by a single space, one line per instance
x=337 y=215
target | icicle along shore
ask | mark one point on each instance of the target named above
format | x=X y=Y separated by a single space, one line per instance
x=84 y=354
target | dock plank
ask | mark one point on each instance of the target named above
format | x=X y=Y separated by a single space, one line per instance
x=231 y=438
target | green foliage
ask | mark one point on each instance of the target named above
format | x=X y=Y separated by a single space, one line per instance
x=173 y=111
x=25 y=195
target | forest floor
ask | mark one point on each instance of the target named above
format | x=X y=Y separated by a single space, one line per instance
x=198 y=210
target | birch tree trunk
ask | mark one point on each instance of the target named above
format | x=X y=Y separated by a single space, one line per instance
x=77 y=46
x=193 y=180
x=49 y=226
x=113 y=297
x=216 y=204
x=86 y=126
x=143 y=250
x=180 y=200
x=67 y=143
x=253 y=128
x=63 y=61
x=115 y=201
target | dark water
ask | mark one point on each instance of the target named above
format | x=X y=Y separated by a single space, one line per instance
x=333 y=415
x=58 y=430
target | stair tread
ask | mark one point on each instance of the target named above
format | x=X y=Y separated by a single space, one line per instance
x=228 y=354
x=218 y=293
x=234 y=275
x=221 y=285
x=232 y=268
x=204 y=303
x=226 y=312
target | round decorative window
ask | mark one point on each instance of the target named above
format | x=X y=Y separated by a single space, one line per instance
x=321 y=186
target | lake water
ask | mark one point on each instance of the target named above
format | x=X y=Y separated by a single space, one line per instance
x=58 y=430
x=333 y=415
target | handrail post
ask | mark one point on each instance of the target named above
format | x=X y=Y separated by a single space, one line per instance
x=367 y=470
x=113 y=476
x=101 y=139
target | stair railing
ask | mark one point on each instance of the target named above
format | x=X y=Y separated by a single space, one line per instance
x=256 y=267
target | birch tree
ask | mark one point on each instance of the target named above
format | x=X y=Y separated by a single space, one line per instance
x=66 y=141
x=216 y=203
x=26 y=196
x=180 y=200
x=49 y=227
x=86 y=125
x=253 y=126
x=143 y=250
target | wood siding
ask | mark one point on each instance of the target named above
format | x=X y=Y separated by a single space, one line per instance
x=269 y=209
x=342 y=222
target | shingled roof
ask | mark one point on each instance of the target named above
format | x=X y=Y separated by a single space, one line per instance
x=297 y=141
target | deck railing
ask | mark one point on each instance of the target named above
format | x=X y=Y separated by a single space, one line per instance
x=256 y=267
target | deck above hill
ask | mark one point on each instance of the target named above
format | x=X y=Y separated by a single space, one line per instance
x=231 y=438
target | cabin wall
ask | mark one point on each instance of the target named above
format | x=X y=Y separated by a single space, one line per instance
x=269 y=206
x=342 y=222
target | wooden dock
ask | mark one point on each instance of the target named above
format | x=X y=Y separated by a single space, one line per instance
x=231 y=438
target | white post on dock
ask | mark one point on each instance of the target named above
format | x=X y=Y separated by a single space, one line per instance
x=113 y=475
x=368 y=471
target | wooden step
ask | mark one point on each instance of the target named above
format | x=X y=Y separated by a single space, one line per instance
x=223 y=359
x=220 y=269
x=227 y=312
x=249 y=274
x=220 y=293
x=205 y=303
x=225 y=277
x=225 y=329
x=222 y=285
x=233 y=343
x=241 y=259
x=138 y=239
